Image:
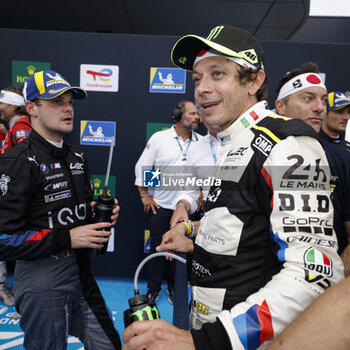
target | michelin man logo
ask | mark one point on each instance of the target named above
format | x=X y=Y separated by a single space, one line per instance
x=4 y=180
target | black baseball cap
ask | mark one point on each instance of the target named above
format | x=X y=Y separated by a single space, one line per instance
x=226 y=40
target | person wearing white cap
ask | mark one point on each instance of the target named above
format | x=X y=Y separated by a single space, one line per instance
x=303 y=95
x=12 y=111
x=251 y=274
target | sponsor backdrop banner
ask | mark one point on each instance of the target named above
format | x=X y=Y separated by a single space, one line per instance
x=168 y=80
x=94 y=77
x=154 y=127
x=22 y=70
x=97 y=133
x=131 y=82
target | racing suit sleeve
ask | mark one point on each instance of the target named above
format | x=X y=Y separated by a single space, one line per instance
x=18 y=241
x=301 y=223
x=19 y=132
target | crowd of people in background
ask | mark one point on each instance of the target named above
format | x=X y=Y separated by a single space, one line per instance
x=266 y=240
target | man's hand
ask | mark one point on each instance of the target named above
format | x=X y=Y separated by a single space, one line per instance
x=200 y=202
x=156 y=335
x=175 y=240
x=180 y=214
x=149 y=203
x=88 y=236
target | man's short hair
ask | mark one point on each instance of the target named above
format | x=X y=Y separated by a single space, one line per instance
x=308 y=67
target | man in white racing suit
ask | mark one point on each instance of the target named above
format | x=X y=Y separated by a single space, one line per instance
x=265 y=248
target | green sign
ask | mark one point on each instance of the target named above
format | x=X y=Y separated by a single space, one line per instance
x=154 y=127
x=98 y=183
x=22 y=70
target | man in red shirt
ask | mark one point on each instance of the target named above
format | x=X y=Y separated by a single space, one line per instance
x=13 y=112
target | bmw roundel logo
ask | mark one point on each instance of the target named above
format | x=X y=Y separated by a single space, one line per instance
x=44 y=168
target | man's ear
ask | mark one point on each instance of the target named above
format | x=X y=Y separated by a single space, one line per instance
x=258 y=82
x=31 y=108
x=280 y=106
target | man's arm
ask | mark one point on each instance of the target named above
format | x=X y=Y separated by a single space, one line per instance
x=180 y=213
x=17 y=241
x=20 y=131
x=147 y=200
x=175 y=239
x=302 y=227
x=346 y=253
x=330 y=331
x=146 y=160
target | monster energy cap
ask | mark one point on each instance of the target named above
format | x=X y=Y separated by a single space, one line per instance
x=229 y=41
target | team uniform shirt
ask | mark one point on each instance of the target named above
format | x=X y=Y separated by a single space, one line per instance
x=206 y=155
x=339 y=164
x=265 y=248
x=19 y=129
x=339 y=140
x=45 y=192
x=2 y=137
x=166 y=150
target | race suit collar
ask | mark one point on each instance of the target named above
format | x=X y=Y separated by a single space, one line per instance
x=47 y=146
x=249 y=118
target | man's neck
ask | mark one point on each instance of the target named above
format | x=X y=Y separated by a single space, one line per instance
x=182 y=132
x=213 y=134
x=48 y=136
x=329 y=132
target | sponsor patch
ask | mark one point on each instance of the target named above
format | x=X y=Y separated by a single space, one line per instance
x=76 y=168
x=56 y=186
x=318 y=263
x=263 y=144
x=44 y=168
x=57 y=196
x=4 y=180
x=55 y=166
x=56 y=176
x=19 y=134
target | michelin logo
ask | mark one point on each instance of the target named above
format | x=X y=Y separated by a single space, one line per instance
x=57 y=196
x=168 y=80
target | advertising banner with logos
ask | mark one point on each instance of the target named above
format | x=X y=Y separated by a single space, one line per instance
x=132 y=88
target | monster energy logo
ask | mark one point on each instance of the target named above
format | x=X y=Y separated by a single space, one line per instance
x=215 y=32
x=149 y=312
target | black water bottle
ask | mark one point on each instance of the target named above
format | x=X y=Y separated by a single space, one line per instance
x=102 y=213
x=140 y=310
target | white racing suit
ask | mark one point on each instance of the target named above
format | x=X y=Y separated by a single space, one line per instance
x=265 y=248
